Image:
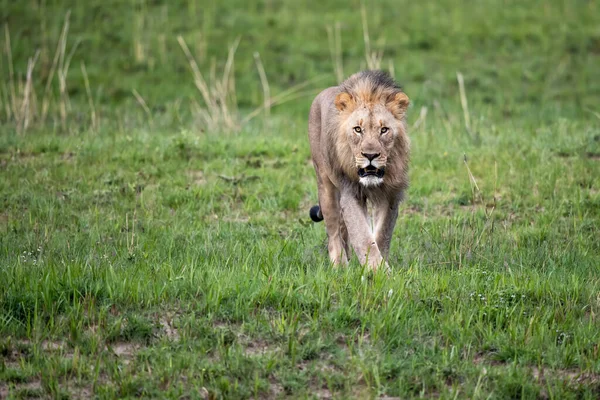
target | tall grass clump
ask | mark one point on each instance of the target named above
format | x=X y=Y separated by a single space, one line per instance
x=373 y=58
x=26 y=100
x=219 y=109
x=29 y=101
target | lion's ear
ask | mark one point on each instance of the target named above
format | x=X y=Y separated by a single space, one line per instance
x=343 y=101
x=397 y=104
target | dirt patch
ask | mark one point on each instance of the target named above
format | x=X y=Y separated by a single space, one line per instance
x=321 y=366
x=124 y=351
x=226 y=325
x=569 y=375
x=482 y=358
x=27 y=387
x=259 y=348
x=251 y=347
x=276 y=389
x=49 y=345
x=322 y=393
x=14 y=351
x=24 y=156
x=171 y=332
x=34 y=389
x=196 y=177
x=76 y=392
x=236 y=218
x=541 y=375
x=4 y=218
x=67 y=156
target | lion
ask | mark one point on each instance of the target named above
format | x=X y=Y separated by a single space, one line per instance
x=360 y=151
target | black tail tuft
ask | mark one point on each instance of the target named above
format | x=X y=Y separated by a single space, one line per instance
x=315 y=214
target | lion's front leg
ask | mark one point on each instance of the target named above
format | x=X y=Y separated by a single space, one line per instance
x=329 y=201
x=386 y=214
x=354 y=212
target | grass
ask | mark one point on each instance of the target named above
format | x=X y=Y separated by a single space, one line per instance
x=143 y=255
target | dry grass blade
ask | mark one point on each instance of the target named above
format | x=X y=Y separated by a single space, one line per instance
x=57 y=55
x=143 y=104
x=199 y=80
x=265 y=85
x=226 y=92
x=220 y=99
x=63 y=71
x=220 y=102
x=131 y=244
x=20 y=100
x=24 y=114
x=283 y=97
x=444 y=116
x=335 y=50
x=5 y=101
x=474 y=187
x=62 y=43
x=366 y=38
x=422 y=118
x=373 y=58
x=463 y=101
x=596 y=114
x=19 y=95
x=89 y=96
x=11 y=72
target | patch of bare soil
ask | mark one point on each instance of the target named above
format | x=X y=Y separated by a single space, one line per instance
x=276 y=390
x=239 y=218
x=569 y=375
x=30 y=387
x=170 y=331
x=259 y=348
x=77 y=392
x=482 y=358
x=52 y=345
x=124 y=351
x=196 y=177
x=4 y=218
x=323 y=393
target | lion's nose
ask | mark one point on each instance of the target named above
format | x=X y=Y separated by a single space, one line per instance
x=371 y=156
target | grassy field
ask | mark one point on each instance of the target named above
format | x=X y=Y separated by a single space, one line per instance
x=150 y=249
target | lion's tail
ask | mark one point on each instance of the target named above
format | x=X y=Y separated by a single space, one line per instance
x=315 y=213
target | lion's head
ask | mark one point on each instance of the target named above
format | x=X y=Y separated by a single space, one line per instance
x=372 y=138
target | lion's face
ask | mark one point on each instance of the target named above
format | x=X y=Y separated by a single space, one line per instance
x=371 y=131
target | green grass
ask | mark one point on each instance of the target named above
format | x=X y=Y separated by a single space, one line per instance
x=154 y=259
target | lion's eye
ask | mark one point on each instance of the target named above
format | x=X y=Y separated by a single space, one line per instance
x=384 y=130
x=357 y=129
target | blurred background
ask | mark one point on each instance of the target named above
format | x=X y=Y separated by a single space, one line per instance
x=536 y=59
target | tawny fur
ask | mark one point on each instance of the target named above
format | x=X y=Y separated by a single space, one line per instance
x=371 y=101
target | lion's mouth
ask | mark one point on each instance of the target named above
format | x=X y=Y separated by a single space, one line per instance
x=371 y=170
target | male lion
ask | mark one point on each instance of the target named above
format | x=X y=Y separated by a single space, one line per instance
x=360 y=151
